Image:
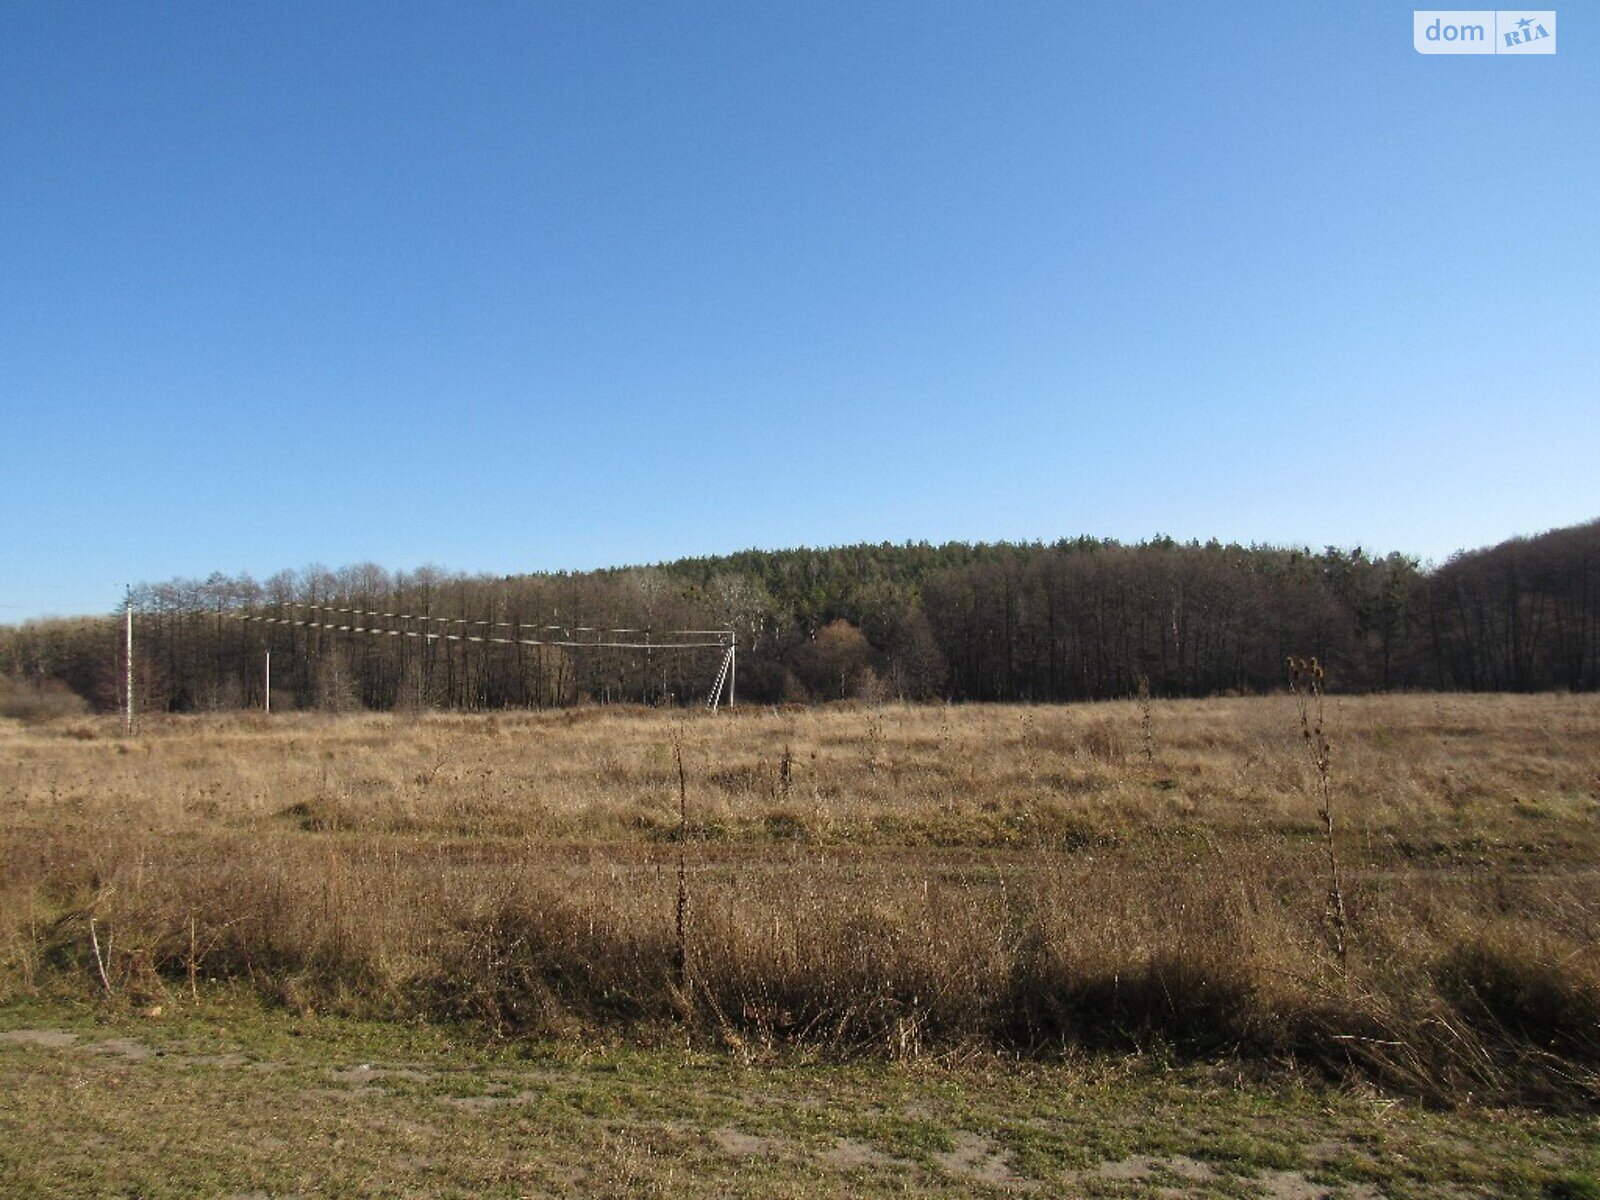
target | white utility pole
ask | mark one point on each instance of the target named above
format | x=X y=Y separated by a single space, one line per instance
x=733 y=665
x=269 y=681
x=128 y=676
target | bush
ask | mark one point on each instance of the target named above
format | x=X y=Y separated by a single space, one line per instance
x=35 y=701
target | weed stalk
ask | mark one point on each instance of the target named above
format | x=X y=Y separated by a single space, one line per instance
x=680 y=955
x=1144 y=719
x=1305 y=682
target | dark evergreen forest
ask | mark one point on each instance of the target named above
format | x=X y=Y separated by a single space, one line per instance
x=1070 y=620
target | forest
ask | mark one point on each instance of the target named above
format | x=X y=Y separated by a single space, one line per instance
x=1081 y=619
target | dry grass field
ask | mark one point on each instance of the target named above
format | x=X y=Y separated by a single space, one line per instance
x=865 y=951
x=898 y=881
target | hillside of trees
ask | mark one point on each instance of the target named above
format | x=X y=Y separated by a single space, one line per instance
x=1070 y=620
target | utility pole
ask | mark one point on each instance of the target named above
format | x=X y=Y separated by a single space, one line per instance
x=733 y=664
x=128 y=675
x=269 y=681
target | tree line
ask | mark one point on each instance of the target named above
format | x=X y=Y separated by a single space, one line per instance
x=1079 y=619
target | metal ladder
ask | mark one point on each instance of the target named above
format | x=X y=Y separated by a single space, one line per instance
x=722 y=677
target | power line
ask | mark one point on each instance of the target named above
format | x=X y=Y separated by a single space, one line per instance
x=725 y=636
x=517 y=625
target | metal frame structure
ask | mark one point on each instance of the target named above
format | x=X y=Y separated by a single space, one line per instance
x=328 y=617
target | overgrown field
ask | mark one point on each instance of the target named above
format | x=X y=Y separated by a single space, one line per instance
x=838 y=882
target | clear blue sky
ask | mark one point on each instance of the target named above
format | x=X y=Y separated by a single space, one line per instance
x=562 y=285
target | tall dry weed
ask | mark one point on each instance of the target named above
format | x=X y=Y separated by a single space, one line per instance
x=1306 y=685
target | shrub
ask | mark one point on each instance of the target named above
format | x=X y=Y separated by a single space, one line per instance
x=38 y=700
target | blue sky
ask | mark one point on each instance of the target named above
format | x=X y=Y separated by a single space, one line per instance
x=564 y=285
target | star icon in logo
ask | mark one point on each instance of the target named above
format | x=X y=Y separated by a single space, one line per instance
x=1524 y=23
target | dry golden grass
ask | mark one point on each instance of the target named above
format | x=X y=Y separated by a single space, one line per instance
x=896 y=878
